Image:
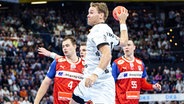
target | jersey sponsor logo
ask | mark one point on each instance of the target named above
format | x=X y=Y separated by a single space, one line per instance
x=125 y=74
x=60 y=73
x=64 y=96
x=70 y=75
x=130 y=74
x=132 y=94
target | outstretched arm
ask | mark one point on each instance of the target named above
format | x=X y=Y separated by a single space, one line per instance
x=47 y=53
x=147 y=86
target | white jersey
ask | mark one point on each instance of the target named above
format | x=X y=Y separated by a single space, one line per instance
x=99 y=34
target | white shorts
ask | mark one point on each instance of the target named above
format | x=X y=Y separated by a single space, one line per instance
x=101 y=92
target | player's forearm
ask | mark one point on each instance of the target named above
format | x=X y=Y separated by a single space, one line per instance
x=41 y=92
x=145 y=85
x=105 y=57
x=104 y=61
x=123 y=34
x=54 y=55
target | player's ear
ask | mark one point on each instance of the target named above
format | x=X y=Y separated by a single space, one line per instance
x=101 y=15
x=75 y=46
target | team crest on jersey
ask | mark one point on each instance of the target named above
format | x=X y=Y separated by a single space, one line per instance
x=72 y=66
x=138 y=61
x=131 y=64
x=121 y=61
x=61 y=60
x=139 y=68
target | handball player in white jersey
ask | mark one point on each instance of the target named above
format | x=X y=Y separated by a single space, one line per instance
x=98 y=86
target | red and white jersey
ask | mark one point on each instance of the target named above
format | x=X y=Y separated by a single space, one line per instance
x=128 y=76
x=66 y=77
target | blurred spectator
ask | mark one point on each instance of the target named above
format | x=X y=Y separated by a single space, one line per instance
x=23 y=32
x=26 y=101
x=165 y=87
x=158 y=77
x=23 y=92
x=179 y=86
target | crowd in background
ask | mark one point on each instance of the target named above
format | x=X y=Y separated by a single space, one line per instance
x=22 y=69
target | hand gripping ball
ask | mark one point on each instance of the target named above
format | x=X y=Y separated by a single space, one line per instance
x=118 y=10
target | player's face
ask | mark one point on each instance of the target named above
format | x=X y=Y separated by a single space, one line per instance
x=68 y=48
x=129 y=48
x=93 y=16
x=82 y=51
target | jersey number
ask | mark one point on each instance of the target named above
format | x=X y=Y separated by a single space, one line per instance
x=70 y=85
x=134 y=84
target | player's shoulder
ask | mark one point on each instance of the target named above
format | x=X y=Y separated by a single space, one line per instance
x=101 y=27
x=119 y=60
x=139 y=61
x=61 y=59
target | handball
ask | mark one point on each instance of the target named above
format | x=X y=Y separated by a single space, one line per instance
x=117 y=10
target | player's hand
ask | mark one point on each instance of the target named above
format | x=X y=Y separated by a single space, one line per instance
x=157 y=86
x=44 y=52
x=122 y=16
x=91 y=80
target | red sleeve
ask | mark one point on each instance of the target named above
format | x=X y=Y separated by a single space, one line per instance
x=145 y=85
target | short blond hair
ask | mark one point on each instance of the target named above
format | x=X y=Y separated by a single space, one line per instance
x=102 y=8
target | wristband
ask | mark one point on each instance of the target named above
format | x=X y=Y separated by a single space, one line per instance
x=98 y=71
x=52 y=55
x=123 y=27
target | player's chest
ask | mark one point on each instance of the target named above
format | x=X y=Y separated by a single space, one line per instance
x=65 y=66
x=131 y=66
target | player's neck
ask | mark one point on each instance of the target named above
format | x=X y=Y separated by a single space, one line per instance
x=129 y=58
x=73 y=59
x=101 y=22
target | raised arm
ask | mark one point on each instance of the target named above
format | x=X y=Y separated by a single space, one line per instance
x=122 y=17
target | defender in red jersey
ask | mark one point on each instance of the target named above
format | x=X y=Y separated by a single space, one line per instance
x=67 y=72
x=130 y=76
